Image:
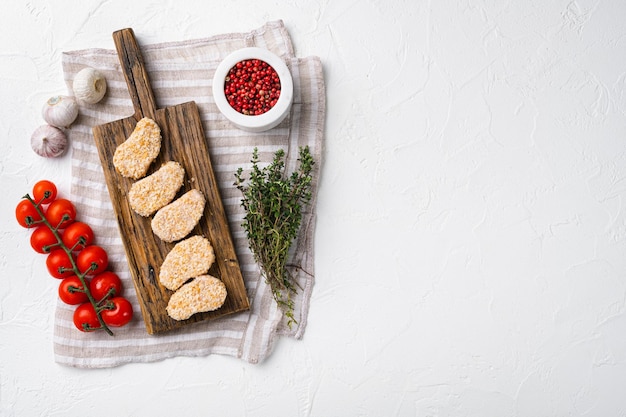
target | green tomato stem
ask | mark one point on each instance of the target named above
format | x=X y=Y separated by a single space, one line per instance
x=107 y=296
x=72 y=289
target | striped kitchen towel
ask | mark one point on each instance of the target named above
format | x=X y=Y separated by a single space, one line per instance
x=181 y=72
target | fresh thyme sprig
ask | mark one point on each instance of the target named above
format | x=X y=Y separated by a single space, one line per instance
x=273 y=203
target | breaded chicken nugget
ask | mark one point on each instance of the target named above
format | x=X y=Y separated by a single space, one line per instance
x=133 y=157
x=156 y=190
x=204 y=293
x=176 y=220
x=189 y=258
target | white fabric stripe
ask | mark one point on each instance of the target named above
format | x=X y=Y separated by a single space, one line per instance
x=142 y=358
x=93 y=185
x=86 y=147
x=92 y=166
x=113 y=343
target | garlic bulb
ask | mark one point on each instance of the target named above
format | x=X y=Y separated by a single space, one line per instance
x=89 y=85
x=60 y=111
x=48 y=141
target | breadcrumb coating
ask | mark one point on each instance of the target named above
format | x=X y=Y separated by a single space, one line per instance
x=133 y=157
x=204 y=293
x=176 y=220
x=187 y=259
x=156 y=190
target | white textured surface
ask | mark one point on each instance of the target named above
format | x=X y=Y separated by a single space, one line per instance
x=471 y=237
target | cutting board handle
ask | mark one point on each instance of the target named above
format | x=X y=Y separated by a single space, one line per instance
x=135 y=73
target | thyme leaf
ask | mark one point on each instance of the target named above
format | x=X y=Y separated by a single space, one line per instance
x=273 y=203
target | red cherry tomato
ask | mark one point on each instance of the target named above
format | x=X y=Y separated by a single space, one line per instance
x=59 y=264
x=86 y=318
x=44 y=192
x=77 y=235
x=92 y=260
x=71 y=291
x=102 y=283
x=43 y=240
x=26 y=213
x=61 y=213
x=118 y=312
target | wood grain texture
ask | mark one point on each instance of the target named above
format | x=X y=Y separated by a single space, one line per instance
x=183 y=141
x=135 y=73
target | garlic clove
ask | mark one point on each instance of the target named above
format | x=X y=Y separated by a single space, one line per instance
x=89 y=85
x=60 y=111
x=48 y=141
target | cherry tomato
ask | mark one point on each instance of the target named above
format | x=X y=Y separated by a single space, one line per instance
x=71 y=291
x=120 y=312
x=102 y=283
x=44 y=192
x=77 y=235
x=26 y=213
x=86 y=318
x=92 y=260
x=43 y=240
x=61 y=213
x=59 y=264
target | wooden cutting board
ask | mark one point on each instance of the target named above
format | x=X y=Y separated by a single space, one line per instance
x=183 y=141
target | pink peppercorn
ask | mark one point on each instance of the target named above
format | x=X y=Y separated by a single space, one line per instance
x=252 y=87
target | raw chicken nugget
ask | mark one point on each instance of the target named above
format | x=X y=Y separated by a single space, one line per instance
x=187 y=259
x=205 y=293
x=176 y=220
x=156 y=190
x=133 y=157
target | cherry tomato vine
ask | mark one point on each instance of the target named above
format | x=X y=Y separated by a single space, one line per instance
x=72 y=257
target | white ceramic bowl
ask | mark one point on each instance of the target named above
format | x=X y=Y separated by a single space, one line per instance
x=272 y=117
